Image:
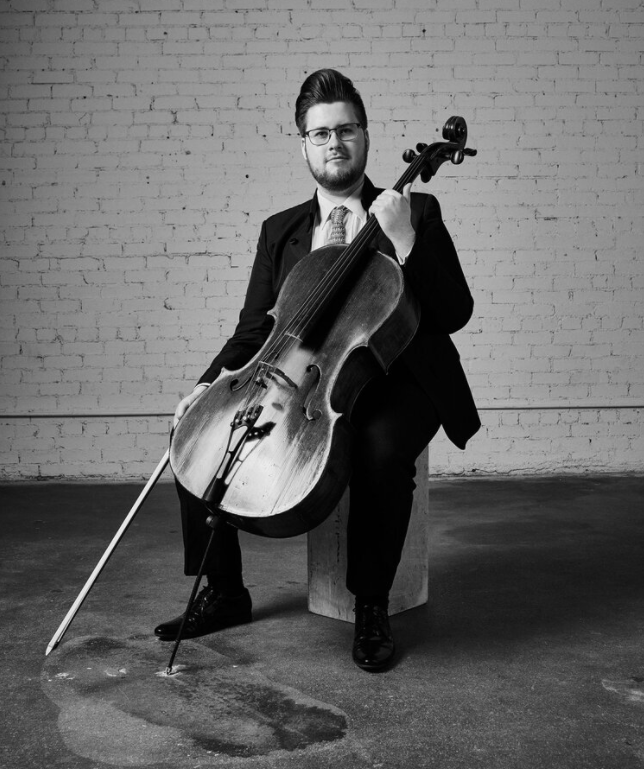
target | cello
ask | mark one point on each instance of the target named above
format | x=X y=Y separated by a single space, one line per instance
x=268 y=445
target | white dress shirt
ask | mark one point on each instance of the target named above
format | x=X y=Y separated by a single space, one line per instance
x=354 y=220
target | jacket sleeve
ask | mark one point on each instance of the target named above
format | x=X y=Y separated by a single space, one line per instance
x=435 y=273
x=254 y=324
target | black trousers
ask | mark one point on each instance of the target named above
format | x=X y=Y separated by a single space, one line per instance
x=394 y=422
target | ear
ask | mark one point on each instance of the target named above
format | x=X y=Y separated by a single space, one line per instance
x=303 y=148
x=366 y=137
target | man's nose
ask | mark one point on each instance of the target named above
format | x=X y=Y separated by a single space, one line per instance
x=335 y=140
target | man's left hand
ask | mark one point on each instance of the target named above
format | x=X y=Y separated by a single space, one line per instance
x=393 y=212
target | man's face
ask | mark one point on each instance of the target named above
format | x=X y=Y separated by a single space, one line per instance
x=336 y=166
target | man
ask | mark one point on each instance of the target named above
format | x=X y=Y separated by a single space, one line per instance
x=396 y=415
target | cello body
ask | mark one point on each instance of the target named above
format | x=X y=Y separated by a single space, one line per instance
x=294 y=462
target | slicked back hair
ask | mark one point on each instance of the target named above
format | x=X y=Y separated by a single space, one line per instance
x=325 y=87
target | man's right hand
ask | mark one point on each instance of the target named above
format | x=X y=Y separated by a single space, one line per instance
x=187 y=401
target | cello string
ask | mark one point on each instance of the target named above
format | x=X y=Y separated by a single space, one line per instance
x=344 y=264
x=326 y=288
x=347 y=259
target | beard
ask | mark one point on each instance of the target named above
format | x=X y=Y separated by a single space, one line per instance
x=335 y=180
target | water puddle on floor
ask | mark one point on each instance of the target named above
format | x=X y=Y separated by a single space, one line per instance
x=118 y=705
x=631 y=689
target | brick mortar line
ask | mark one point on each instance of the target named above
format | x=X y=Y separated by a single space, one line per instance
x=502 y=408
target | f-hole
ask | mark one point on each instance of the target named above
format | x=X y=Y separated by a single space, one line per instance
x=315 y=374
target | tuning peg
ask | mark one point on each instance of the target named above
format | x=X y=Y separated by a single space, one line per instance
x=408 y=156
x=421 y=146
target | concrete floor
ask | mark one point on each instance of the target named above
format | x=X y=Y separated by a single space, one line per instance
x=529 y=654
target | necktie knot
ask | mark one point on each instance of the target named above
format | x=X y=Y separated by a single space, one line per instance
x=338 y=234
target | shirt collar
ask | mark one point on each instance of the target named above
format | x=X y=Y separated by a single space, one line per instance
x=353 y=203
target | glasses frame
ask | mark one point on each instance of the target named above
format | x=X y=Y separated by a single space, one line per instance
x=331 y=131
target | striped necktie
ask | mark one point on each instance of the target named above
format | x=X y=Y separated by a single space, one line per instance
x=338 y=234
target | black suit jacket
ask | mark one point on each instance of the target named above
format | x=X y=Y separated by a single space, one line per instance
x=434 y=274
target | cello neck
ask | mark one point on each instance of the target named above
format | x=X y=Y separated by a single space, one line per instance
x=424 y=164
x=355 y=250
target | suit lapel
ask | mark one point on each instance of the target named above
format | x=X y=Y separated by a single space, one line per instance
x=298 y=242
x=294 y=241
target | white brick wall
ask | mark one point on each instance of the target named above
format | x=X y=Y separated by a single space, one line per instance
x=145 y=140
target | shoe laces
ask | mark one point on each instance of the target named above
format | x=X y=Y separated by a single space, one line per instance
x=206 y=597
x=372 y=620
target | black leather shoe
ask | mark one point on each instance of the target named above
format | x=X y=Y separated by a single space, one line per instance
x=209 y=613
x=373 y=645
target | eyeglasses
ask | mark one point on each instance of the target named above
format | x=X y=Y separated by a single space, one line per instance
x=345 y=133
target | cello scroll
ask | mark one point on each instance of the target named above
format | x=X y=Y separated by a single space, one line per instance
x=431 y=157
